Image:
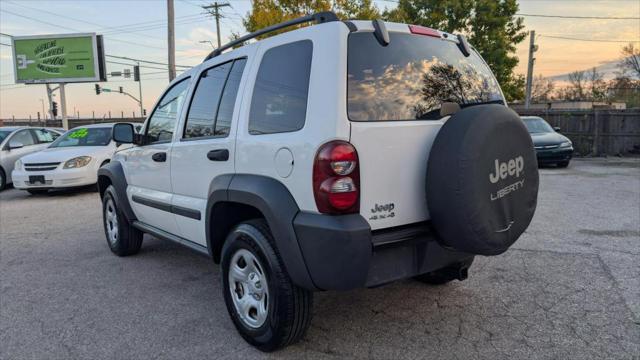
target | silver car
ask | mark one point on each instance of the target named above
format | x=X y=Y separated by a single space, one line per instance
x=16 y=142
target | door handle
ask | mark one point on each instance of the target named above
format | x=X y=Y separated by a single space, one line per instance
x=159 y=157
x=218 y=155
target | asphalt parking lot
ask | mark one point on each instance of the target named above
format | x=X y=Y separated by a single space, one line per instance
x=568 y=289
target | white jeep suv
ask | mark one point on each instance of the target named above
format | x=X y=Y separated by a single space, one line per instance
x=342 y=155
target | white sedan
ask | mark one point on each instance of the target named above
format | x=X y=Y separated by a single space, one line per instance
x=72 y=160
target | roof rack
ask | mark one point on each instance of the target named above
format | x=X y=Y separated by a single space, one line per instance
x=318 y=18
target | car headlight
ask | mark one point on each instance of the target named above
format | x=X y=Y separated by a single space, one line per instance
x=565 y=144
x=18 y=165
x=77 y=162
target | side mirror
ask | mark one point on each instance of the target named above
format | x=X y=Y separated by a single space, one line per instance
x=14 y=144
x=556 y=128
x=123 y=133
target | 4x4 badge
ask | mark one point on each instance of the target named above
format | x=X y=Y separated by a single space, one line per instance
x=383 y=211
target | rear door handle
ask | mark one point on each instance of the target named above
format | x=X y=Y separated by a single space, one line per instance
x=159 y=157
x=218 y=155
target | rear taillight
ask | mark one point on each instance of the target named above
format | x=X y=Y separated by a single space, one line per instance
x=336 y=178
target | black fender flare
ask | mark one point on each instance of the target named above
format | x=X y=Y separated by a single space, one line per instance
x=277 y=205
x=114 y=172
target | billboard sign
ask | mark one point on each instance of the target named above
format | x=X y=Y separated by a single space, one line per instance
x=64 y=58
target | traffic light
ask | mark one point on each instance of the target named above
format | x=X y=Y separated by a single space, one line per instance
x=144 y=112
x=54 y=108
x=136 y=73
x=120 y=90
x=97 y=89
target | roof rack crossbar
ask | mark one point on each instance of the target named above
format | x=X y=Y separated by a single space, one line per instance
x=318 y=18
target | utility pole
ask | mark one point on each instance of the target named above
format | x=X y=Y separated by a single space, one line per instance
x=136 y=77
x=63 y=107
x=532 y=49
x=213 y=9
x=172 y=40
x=50 y=97
x=43 y=115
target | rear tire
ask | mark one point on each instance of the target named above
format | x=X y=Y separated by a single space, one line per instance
x=123 y=239
x=37 y=191
x=267 y=308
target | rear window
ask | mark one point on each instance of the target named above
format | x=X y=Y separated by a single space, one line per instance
x=411 y=77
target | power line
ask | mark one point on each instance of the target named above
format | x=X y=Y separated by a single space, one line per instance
x=590 y=40
x=144 y=61
x=142 y=66
x=580 y=17
x=76 y=30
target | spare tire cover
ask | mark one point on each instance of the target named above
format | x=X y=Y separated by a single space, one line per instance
x=482 y=180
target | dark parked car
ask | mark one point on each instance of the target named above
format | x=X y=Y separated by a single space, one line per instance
x=551 y=147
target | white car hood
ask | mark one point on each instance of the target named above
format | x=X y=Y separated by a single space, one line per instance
x=66 y=153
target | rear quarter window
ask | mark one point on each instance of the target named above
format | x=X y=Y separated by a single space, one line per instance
x=279 y=102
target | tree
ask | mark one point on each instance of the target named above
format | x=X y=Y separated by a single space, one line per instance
x=356 y=9
x=624 y=89
x=630 y=61
x=492 y=26
x=269 y=12
x=577 y=86
x=542 y=89
x=597 y=86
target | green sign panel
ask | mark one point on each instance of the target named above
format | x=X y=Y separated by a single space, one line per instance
x=57 y=58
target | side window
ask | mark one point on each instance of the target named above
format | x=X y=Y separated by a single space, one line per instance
x=212 y=105
x=24 y=137
x=54 y=134
x=163 y=120
x=201 y=118
x=228 y=101
x=43 y=136
x=279 y=102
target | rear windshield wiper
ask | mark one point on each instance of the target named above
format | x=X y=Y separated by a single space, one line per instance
x=501 y=102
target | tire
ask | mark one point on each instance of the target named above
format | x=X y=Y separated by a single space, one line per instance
x=37 y=191
x=447 y=274
x=563 y=164
x=122 y=238
x=482 y=180
x=3 y=179
x=282 y=313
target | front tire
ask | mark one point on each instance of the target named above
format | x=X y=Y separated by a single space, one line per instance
x=267 y=308
x=123 y=239
x=3 y=179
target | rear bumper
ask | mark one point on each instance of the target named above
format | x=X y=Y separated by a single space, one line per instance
x=341 y=252
x=554 y=155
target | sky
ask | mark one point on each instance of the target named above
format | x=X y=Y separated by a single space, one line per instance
x=137 y=29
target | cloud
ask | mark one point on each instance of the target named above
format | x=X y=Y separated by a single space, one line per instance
x=190 y=46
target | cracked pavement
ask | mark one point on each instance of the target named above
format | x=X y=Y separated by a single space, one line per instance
x=568 y=289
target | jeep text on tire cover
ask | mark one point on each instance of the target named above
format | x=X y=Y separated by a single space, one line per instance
x=329 y=157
